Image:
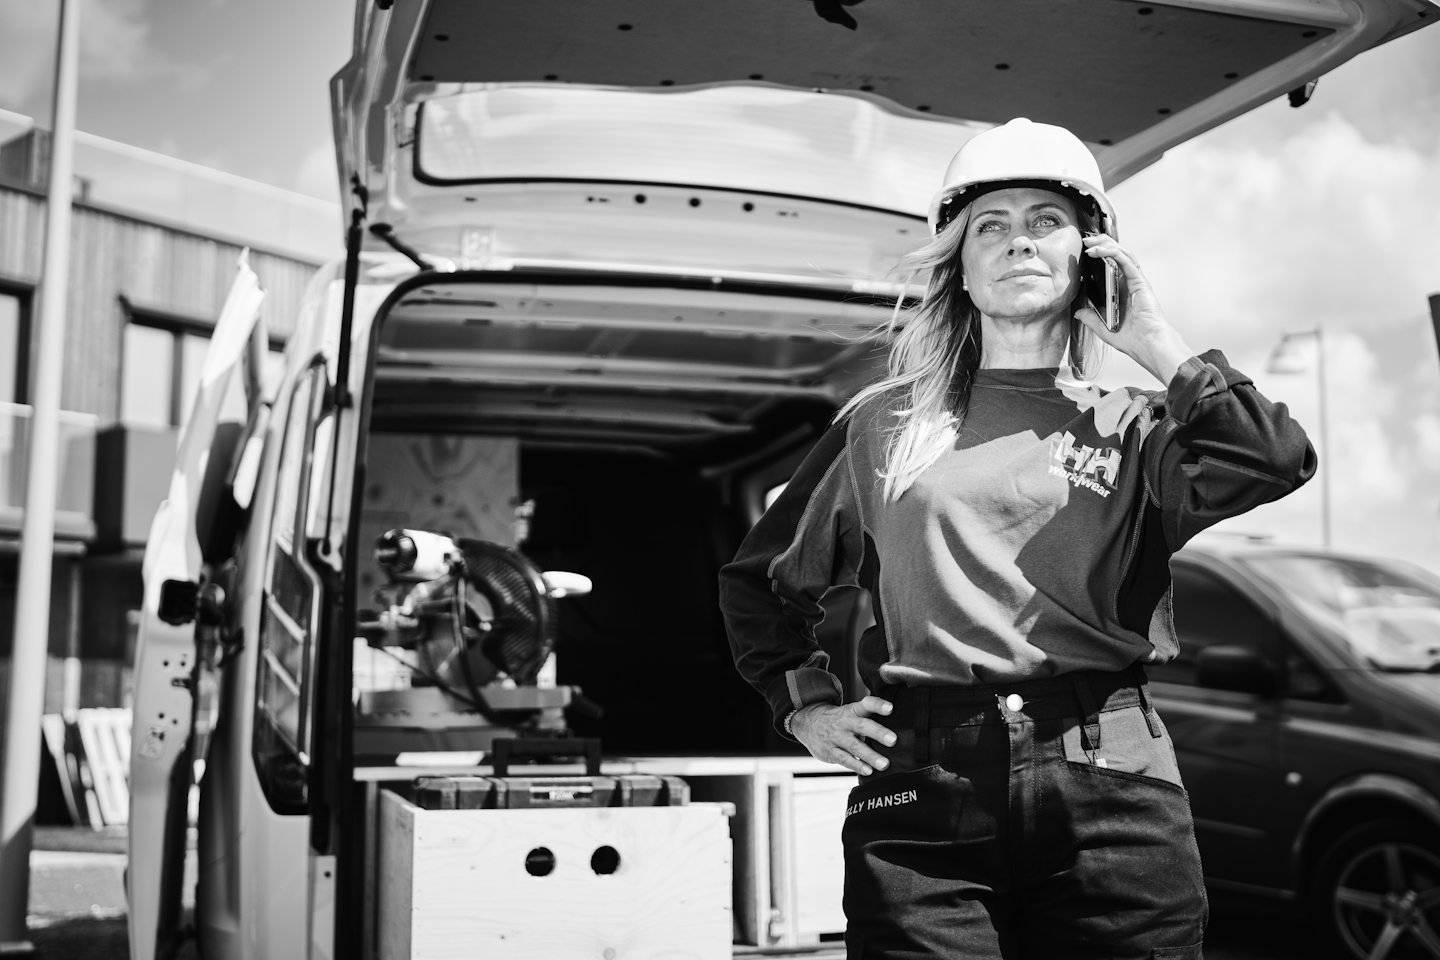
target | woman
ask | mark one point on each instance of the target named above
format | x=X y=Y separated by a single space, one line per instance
x=1019 y=796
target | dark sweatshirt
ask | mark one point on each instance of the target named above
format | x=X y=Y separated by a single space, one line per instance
x=1037 y=545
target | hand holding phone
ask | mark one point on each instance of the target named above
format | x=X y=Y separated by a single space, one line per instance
x=1142 y=334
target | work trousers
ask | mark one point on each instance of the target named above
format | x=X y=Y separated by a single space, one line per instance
x=1042 y=820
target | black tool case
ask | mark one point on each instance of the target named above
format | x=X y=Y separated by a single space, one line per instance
x=518 y=793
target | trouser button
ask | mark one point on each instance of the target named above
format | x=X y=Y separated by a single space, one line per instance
x=1014 y=702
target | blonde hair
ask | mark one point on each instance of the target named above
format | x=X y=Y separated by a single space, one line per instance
x=935 y=350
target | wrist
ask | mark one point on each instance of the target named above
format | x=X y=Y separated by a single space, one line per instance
x=792 y=721
x=1163 y=357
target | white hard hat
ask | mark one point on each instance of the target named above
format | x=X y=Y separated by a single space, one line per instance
x=1020 y=150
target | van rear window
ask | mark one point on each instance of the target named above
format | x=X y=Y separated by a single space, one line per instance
x=788 y=142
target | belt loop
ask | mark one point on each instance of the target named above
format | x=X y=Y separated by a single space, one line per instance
x=1088 y=708
x=1151 y=719
x=922 y=725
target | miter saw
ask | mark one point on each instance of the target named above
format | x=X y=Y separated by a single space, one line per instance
x=474 y=624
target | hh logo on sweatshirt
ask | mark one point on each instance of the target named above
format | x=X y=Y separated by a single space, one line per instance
x=1096 y=470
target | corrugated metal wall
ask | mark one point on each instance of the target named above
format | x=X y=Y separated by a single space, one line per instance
x=153 y=266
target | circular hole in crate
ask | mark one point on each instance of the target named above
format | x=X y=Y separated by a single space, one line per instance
x=539 y=862
x=606 y=860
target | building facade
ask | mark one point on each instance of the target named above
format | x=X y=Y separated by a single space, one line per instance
x=144 y=295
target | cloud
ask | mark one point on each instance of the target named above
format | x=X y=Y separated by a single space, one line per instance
x=1382 y=463
x=1242 y=240
x=315 y=175
x=115 y=45
x=115 y=42
x=27 y=50
x=1290 y=220
x=1427 y=440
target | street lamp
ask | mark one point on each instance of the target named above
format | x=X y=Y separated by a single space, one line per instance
x=1287 y=357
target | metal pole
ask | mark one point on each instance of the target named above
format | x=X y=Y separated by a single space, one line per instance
x=1326 y=461
x=37 y=533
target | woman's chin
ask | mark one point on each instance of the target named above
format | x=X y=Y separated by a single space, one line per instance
x=1029 y=310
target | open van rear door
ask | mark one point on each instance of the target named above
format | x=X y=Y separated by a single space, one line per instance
x=793 y=137
x=167 y=667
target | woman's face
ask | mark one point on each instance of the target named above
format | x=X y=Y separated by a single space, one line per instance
x=1021 y=254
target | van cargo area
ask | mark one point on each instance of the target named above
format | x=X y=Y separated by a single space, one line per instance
x=628 y=437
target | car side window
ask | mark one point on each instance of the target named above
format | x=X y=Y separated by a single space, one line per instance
x=1305 y=681
x=1209 y=612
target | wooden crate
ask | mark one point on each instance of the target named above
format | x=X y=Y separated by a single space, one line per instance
x=454 y=883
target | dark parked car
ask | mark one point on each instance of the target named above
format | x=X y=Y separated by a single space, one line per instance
x=1305 y=710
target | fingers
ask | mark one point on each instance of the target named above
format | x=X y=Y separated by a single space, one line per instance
x=1092 y=320
x=870 y=730
x=854 y=754
x=839 y=734
x=873 y=706
x=842 y=757
x=1103 y=245
x=867 y=754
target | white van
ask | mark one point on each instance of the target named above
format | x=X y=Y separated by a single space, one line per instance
x=608 y=267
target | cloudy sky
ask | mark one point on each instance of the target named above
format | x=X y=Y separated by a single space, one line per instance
x=1283 y=220
x=1327 y=216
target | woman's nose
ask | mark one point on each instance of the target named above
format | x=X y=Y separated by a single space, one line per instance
x=1022 y=246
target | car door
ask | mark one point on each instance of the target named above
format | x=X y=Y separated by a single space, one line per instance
x=1319 y=743
x=1225 y=740
x=168 y=669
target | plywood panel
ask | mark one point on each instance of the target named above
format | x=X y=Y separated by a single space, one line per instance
x=471 y=894
x=462 y=486
x=395 y=883
x=818 y=805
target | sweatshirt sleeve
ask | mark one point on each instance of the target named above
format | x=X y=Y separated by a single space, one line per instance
x=809 y=540
x=1221 y=449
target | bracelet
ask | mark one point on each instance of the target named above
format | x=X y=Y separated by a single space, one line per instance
x=789 y=718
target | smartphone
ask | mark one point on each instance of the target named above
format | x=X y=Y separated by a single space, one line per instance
x=1101 y=286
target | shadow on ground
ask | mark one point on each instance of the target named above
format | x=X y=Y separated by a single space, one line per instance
x=1239 y=930
x=1236 y=933
x=86 y=939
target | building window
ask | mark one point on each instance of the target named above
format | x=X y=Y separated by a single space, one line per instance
x=160 y=372
x=14 y=343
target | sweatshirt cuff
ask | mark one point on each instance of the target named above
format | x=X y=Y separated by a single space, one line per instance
x=801 y=688
x=1199 y=377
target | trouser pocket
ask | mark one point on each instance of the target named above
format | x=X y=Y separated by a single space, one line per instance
x=901 y=860
x=1124 y=746
x=912 y=804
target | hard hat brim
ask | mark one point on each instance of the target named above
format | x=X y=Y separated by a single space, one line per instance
x=964 y=193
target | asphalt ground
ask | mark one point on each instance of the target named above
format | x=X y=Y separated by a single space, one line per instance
x=77 y=908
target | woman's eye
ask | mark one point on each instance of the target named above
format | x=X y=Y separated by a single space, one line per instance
x=1047 y=220
x=989 y=226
